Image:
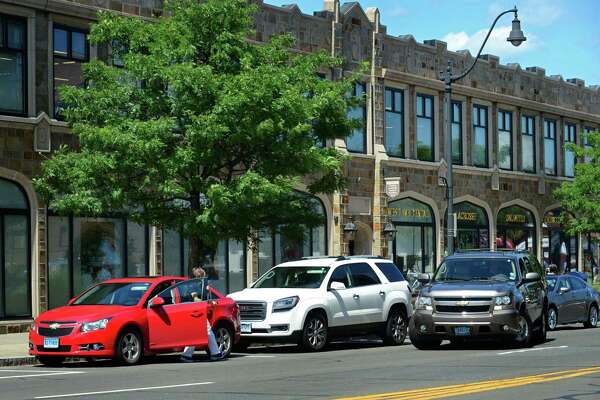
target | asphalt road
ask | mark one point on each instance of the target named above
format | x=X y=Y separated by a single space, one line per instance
x=354 y=368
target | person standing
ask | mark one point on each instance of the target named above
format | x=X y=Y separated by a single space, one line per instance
x=213 y=351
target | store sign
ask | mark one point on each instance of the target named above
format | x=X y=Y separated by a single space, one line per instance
x=403 y=212
x=466 y=216
x=515 y=218
x=552 y=220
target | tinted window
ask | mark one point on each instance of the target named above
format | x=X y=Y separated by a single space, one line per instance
x=551 y=281
x=564 y=284
x=577 y=284
x=363 y=275
x=192 y=290
x=341 y=275
x=159 y=288
x=391 y=272
x=467 y=269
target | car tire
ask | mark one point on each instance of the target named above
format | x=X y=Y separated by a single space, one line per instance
x=396 y=328
x=592 y=319
x=542 y=330
x=241 y=347
x=552 y=320
x=225 y=338
x=420 y=342
x=314 y=333
x=524 y=338
x=129 y=347
x=51 y=361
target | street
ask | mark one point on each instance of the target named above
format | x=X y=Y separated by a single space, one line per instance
x=354 y=369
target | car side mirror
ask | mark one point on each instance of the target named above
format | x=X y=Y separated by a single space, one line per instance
x=563 y=290
x=335 y=285
x=423 y=278
x=156 y=302
x=531 y=277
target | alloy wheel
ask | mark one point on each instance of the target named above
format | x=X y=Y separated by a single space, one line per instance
x=594 y=317
x=552 y=319
x=130 y=347
x=316 y=333
x=523 y=334
x=399 y=328
x=224 y=341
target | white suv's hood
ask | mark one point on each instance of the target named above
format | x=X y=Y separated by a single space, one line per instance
x=271 y=295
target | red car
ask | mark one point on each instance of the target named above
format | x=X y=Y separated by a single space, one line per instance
x=128 y=318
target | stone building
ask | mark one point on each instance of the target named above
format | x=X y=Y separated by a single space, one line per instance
x=510 y=125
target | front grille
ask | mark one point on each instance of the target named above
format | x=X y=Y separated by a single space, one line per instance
x=45 y=331
x=462 y=309
x=252 y=310
x=57 y=322
x=59 y=349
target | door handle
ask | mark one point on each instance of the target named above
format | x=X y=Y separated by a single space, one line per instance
x=382 y=293
x=197 y=314
x=356 y=297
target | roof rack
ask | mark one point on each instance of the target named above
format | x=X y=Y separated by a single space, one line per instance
x=362 y=256
x=318 y=257
x=487 y=249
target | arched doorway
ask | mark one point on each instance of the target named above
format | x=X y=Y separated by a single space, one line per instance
x=15 y=262
x=413 y=248
x=515 y=229
x=473 y=227
x=558 y=247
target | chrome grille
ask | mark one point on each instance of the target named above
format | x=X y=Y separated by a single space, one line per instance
x=252 y=310
x=462 y=309
x=462 y=305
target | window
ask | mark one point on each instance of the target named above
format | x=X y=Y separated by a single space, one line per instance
x=577 y=284
x=394 y=122
x=13 y=64
x=71 y=50
x=425 y=138
x=391 y=272
x=570 y=137
x=457 y=133
x=528 y=143
x=357 y=141
x=504 y=139
x=342 y=275
x=480 y=139
x=586 y=144
x=363 y=275
x=549 y=147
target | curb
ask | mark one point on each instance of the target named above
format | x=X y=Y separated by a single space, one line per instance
x=17 y=361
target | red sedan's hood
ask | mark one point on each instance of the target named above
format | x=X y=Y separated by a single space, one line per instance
x=81 y=313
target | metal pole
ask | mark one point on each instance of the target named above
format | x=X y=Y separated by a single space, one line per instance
x=448 y=155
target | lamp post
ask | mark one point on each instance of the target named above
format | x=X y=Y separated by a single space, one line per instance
x=350 y=229
x=515 y=38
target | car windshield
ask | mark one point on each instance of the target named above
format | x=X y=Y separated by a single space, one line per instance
x=551 y=281
x=476 y=269
x=119 y=294
x=292 y=277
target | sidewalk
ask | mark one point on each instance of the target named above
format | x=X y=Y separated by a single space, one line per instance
x=14 y=350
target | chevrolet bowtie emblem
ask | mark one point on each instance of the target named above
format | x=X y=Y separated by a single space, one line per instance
x=54 y=326
x=462 y=303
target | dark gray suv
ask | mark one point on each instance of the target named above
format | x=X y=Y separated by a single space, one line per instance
x=481 y=294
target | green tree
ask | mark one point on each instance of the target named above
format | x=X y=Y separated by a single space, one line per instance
x=581 y=196
x=200 y=130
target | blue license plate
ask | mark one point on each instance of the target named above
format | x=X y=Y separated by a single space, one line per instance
x=245 y=328
x=51 y=343
x=462 y=331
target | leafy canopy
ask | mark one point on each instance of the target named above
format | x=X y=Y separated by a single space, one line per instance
x=200 y=130
x=582 y=195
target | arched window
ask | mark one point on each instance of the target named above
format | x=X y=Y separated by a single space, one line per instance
x=515 y=229
x=557 y=246
x=15 y=262
x=413 y=246
x=473 y=228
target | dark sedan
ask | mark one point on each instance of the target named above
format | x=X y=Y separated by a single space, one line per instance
x=571 y=300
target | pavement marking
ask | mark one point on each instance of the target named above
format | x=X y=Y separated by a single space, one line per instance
x=533 y=349
x=123 y=390
x=441 y=392
x=42 y=374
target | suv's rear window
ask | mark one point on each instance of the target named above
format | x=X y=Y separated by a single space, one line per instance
x=391 y=272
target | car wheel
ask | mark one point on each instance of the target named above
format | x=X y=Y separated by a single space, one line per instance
x=552 y=319
x=592 y=320
x=129 y=347
x=420 y=342
x=224 y=338
x=314 y=333
x=395 y=328
x=523 y=338
x=51 y=361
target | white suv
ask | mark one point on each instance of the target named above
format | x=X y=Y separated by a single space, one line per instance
x=314 y=299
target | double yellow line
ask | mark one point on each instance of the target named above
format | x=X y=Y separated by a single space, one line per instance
x=441 y=392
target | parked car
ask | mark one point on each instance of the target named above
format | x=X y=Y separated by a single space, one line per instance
x=481 y=294
x=571 y=300
x=312 y=300
x=126 y=319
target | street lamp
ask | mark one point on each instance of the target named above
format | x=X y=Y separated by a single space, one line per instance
x=515 y=37
x=350 y=229
x=388 y=231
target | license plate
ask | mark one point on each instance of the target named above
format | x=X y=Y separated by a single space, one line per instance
x=51 y=343
x=462 y=331
x=246 y=328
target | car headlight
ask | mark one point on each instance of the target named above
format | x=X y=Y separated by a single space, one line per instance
x=424 y=303
x=286 y=303
x=502 y=300
x=94 y=325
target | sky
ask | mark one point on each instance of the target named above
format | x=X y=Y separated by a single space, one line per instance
x=563 y=36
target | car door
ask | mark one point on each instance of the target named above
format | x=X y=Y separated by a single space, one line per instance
x=566 y=309
x=580 y=292
x=182 y=320
x=341 y=303
x=367 y=292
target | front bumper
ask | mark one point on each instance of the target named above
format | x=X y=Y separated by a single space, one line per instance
x=76 y=344
x=441 y=325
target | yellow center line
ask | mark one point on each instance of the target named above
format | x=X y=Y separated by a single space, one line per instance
x=440 y=392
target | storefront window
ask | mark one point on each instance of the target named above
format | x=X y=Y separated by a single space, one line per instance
x=591 y=252
x=15 y=270
x=515 y=229
x=473 y=227
x=413 y=247
x=84 y=251
x=558 y=248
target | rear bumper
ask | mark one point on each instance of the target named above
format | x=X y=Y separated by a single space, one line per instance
x=74 y=345
x=440 y=325
x=293 y=337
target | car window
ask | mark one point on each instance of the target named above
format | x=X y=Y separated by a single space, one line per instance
x=298 y=277
x=159 y=288
x=341 y=274
x=522 y=268
x=564 y=284
x=363 y=275
x=391 y=272
x=551 y=282
x=576 y=283
x=121 y=293
x=192 y=290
